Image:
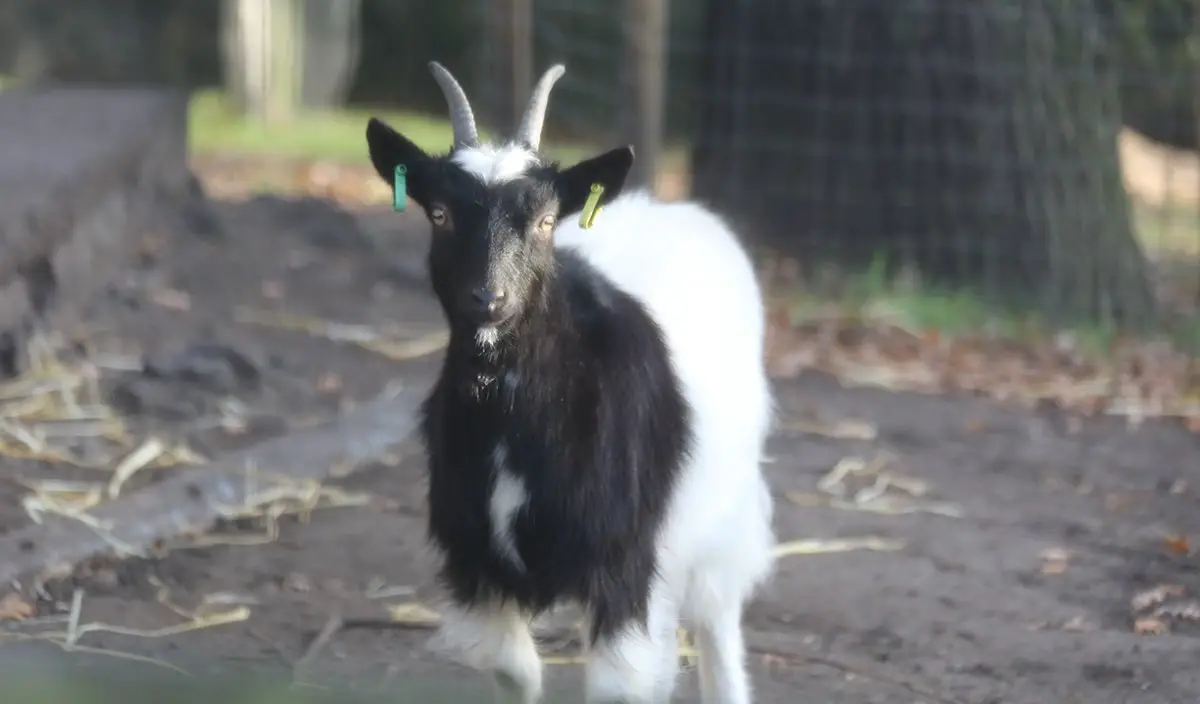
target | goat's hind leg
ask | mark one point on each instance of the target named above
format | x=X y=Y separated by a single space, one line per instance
x=496 y=638
x=722 y=646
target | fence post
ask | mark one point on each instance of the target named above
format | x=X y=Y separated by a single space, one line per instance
x=511 y=60
x=645 y=30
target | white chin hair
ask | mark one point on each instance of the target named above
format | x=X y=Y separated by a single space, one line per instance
x=486 y=336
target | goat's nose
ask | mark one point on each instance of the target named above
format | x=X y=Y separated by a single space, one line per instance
x=488 y=298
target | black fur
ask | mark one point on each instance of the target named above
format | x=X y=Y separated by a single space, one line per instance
x=578 y=389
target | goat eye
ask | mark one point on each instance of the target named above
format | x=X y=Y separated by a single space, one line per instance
x=546 y=224
x=437 y=215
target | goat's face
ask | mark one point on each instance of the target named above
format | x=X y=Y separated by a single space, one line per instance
x=493 y=212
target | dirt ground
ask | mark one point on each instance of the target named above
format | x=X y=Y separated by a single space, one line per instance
x=1022 y=597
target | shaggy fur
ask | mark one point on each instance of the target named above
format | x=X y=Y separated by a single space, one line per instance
x=577 y=403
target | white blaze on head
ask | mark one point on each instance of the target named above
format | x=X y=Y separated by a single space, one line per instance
x=495 y=165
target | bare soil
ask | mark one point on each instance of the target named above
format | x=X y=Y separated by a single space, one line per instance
x=1024 y=599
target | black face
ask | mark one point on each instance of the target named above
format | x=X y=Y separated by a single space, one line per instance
x=493 y=245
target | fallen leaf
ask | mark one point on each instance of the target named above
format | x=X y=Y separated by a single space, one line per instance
x=412 y=612
x=15 y=608
x=297 y=582
x=272 y=289
x=1178 y=545
x=329 y=383
x=1187 y=611
x=1079 y=624
x=1054 y=560
x=1149 y=626
x=881 y=342
x=234 y=425
x=172 y=299
x=1155 y=596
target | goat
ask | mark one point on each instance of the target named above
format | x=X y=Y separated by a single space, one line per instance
x=595 y=434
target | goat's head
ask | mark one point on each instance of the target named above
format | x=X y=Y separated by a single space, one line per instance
x=493 y=208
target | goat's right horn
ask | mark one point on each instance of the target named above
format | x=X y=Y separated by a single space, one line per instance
x=530 y=131
x=462 y=120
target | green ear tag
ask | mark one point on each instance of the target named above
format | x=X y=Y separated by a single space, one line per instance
x=400 y=189
x=591 y=207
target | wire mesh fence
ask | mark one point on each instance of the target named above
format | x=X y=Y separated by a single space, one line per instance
x=1038 y=154
x=1028 y=153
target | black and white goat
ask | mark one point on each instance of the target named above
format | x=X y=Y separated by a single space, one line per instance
x=596 y=432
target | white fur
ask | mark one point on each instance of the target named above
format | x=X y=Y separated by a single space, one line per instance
x=486 y=337
x=495 y=164
x=495 y=638
x=716 y=545
x=508 y=496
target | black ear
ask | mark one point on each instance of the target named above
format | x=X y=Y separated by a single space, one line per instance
x=610 y=170
x=389 y=149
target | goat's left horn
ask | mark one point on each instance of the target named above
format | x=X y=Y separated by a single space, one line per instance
x=530 y=131
x=462 y=119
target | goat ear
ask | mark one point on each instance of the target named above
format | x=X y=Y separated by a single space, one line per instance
x=610 y=170
x=389 y=149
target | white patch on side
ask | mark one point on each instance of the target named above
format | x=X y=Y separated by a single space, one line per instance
x=493 y=165
x=487 y=336
x=508 y=496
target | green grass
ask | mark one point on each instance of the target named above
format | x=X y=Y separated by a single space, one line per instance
x=338 y=135
x=905 y=302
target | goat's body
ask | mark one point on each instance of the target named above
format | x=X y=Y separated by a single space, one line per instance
x=644 y=514
x=578 y=432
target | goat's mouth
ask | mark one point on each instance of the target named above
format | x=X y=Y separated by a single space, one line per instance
x=493 y=318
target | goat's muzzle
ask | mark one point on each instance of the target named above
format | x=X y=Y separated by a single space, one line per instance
x=489 y=304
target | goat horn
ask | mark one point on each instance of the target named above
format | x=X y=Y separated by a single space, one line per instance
x=462 y=120
x=530 y=131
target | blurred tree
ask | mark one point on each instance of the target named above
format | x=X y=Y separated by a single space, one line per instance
x=974 y=141
x=281 y=54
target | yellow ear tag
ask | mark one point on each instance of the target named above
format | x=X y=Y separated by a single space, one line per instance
x=592 y=207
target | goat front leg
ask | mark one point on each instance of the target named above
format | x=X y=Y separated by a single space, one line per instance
x=496 y=638
x=635 y=663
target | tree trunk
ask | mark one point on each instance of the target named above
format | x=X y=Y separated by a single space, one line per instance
x=974 y=141
x=263 y=50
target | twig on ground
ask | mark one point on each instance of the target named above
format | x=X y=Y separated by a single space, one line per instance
x=189 y=501
x=875 y=497
x=150 y=450
x=68 y=640
x=387 y=344
x=840 y=430
x=332 y=625
x=823 y=547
